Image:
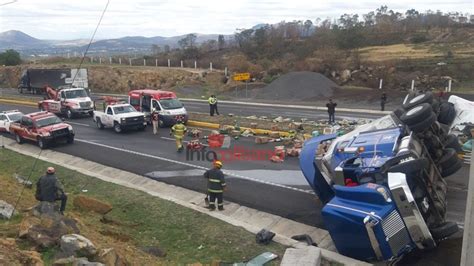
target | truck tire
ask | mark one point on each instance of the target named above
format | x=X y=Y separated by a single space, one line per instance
x=423 y=125
x=117 y=127
x=444 y=230
x=447 y=113
x=452 y=169
x=452 y=141
x=417 y=100
x=449 y=158
x=40 y=107
x=70 y=140
x=42 y=143
x=417 y=114
x=18 y=139
x=399 y=112
x=99 y=123
x=408 y=97
x=69 y=113
x=435 y=105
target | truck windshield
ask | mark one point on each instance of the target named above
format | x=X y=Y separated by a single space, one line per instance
x=15 y=117
x=75 y=94
x=171 y=103
x=48 y=121
x=124 y=109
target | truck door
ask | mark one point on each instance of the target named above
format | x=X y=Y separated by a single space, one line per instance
x=155 y=105
x=27 y=128
x=109 y=117
x=3 y=123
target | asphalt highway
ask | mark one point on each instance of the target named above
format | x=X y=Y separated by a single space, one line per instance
x=277 y=188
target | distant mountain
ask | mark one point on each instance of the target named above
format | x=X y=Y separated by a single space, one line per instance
x=28 y=45
x=14 y=39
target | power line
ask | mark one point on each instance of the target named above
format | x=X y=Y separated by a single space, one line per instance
x=90 y=42
x=7 y=3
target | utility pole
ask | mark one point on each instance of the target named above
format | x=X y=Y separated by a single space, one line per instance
x=380 y=84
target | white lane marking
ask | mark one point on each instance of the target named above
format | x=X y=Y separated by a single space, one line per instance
x=193 y=165
x=185 y=141
x=79 y=124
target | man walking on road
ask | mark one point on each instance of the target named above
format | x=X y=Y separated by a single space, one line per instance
x=331 y=110
x=179 y=129
x=154 y=121
x=383 y=100
x=50 y=189
x=216 y=186
x=213 y=105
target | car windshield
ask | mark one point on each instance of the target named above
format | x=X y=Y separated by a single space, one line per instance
x=15 y=117
x=124 y=109
x=171 y=103
x=47 y=121
x=75 y=94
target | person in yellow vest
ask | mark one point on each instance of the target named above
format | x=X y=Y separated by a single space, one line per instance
x=213 y=105
x=178 y=130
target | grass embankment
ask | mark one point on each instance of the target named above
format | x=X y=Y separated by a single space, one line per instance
x=137 y=219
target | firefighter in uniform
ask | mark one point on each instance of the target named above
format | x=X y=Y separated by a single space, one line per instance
x=178 y=130
x=216 y=186
x=213 y=105
x=49 y=188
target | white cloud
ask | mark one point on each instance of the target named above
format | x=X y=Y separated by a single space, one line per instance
x=49 y=19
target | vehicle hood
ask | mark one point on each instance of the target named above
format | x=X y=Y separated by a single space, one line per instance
x=131 y=114
x=79 y=100
x=52 y=127
x=179 y=111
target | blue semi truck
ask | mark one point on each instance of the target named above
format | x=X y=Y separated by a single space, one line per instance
x=383 y=185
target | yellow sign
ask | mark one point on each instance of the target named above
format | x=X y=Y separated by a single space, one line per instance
x=241 y=76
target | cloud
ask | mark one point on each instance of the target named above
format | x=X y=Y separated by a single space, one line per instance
x=54 y=19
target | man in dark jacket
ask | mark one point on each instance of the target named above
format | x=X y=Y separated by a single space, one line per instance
x=49 y=188
x=331 y=110
x=216 y=186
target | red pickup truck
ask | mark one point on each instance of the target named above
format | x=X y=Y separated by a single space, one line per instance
x=43 y=128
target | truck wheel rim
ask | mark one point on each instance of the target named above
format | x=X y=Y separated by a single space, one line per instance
x=414 y=110
x=417 y=98
x=40 y=143
x=17 y=138
x=117 y=128
x=69 y=114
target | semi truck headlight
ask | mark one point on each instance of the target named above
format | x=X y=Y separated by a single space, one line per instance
x=70 y=128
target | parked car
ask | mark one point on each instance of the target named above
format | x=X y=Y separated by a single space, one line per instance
x=120 y=117
x=8 y=117
x=44 y=128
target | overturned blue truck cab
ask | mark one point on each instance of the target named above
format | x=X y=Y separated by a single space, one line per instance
x=382 y=185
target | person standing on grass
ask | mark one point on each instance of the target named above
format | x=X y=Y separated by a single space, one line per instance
x=383 y=100
x=213 y=105
x=50 y=189
x=216 y=186
x=154 y=121
x=331 y=110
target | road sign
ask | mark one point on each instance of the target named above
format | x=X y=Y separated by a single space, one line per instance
x=241 y=76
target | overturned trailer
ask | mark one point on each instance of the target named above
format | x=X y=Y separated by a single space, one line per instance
x=383 y=185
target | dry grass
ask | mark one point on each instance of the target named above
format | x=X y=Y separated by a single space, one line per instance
x=415 y=51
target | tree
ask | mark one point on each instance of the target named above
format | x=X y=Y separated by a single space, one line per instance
x=221 y=42
x=10 y=58
x=166 y=48
x=188 y=42
x=155 y=49
x=307 y=27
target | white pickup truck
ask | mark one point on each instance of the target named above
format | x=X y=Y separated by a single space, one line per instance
x=120 y=117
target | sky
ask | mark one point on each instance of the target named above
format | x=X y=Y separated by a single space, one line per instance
x=68 y=19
